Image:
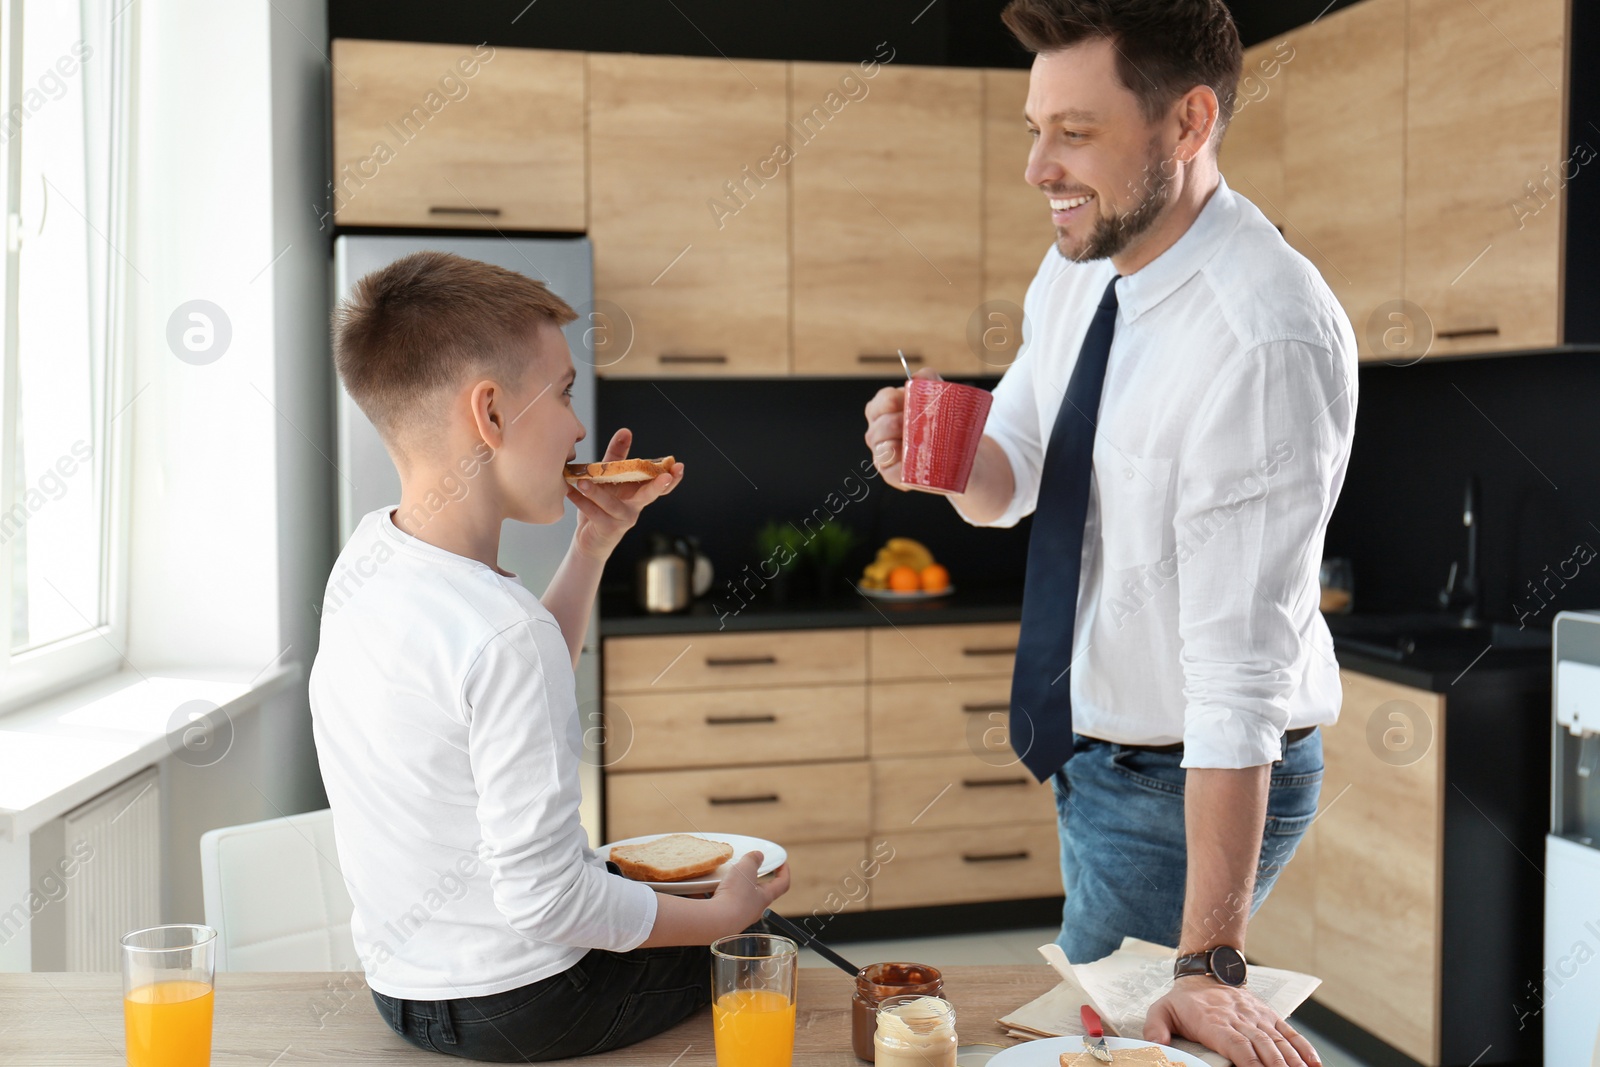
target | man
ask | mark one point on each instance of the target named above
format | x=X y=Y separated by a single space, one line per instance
x=1178 y=422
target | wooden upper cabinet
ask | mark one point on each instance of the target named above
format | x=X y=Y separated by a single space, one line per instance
x=1343 y=200
x=1016 y=219
x=886 y=217
x=458 y=136
x=689 y=213
x=1484 y=156
x=1251 y=157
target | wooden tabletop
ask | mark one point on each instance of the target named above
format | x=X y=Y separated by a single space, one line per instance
x=275 y=1019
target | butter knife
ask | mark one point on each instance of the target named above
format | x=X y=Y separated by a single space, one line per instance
x=1092 y=1029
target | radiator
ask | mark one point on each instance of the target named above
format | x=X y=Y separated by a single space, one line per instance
x=116 y=884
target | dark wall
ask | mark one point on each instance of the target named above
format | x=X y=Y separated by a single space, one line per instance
x=758 y=450
x=961 y=33
x=1526 y=425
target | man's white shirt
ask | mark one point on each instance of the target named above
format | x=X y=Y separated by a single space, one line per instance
x=1223 y=436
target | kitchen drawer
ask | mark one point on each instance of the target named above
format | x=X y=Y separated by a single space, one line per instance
x=827 y=877
x=798 y=803
x=719 y=661
x=941 y=718
x=925 y=653
x=721 y=727
x=939 y=792
x=960 y=866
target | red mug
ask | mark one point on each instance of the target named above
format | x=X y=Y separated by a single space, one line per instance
x=939 y=439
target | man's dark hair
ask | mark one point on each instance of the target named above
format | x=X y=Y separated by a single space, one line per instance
x=1164 y=47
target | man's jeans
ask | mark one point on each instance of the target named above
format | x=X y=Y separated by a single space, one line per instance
x=1124 y=859
x=604 y=1001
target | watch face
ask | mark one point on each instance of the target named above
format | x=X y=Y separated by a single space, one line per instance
x=1227 y=963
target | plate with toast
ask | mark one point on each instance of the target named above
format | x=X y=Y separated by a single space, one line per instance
x=688 y=864
x=1070 y=1052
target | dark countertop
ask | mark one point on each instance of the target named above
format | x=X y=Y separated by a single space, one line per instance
x=620 y=614
x=1439 y=671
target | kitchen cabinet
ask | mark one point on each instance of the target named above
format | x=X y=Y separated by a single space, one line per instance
x=1343 y=195
x=457 y=136
x=1251 y=155
x=689 y=214
x=886 y=193
x=1017 y=230
x=845 y=745
x=1485 y=159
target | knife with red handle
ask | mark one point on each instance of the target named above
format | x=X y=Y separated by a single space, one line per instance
x=1093 y=1030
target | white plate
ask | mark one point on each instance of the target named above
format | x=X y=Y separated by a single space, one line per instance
x=1046 y=1052
x=773 y=856
x=890 y=594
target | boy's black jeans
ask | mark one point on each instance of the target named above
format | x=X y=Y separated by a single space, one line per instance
x=604 y=1001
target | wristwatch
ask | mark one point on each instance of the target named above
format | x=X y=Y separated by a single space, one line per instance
x=1224 y=963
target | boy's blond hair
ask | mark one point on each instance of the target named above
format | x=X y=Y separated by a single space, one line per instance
x=419 y=327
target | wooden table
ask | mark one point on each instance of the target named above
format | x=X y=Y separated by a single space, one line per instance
x=274 y=1019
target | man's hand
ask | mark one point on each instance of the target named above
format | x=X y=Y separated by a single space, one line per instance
x=1230 y=1020
x=606 y=512
x=885 y=424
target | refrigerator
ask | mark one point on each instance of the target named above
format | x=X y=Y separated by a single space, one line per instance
x=369 y=481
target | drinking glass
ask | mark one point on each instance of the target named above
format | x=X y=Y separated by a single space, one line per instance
x=752 y=994
x=168 y=973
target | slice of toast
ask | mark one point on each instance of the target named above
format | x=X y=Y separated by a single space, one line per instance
x=673 y=858
x=1143 y=1055
x=619 y=470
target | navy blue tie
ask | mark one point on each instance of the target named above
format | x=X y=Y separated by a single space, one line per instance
x=1041 y=682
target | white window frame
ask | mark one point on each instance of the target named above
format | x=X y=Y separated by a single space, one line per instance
x=73 y=661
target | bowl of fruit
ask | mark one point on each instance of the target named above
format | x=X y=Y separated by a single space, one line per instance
x=905 y=570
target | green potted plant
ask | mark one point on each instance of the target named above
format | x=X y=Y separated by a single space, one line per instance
x=827 y=551
x=779 y=545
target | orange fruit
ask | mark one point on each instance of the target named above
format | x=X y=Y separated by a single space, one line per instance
x=935 y=578
x=904 y=580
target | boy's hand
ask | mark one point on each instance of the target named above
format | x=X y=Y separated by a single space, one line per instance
x=606 y=512
x=745 y=898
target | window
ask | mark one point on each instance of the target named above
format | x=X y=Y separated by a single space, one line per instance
x=62 y=85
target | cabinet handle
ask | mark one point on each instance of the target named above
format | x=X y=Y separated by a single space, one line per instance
x=491 y=212
x=994 y=857
x=888 y=357
x=732 y=720
x=689 y=357
x=741 y=661
x=1478 y=331
x=765 y=798
x=993 y=705
x=985 y=783
x=1008 y=650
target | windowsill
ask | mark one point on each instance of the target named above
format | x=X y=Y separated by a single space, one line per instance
x=60 y=752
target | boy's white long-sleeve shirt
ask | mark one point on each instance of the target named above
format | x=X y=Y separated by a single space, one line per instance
x=446 y=723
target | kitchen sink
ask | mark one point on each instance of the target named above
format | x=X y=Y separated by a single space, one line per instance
x=1403 y=637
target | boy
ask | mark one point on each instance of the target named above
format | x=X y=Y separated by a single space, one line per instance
x=442 y=696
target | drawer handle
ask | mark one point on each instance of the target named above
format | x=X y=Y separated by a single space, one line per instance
x=994 y=857
x=491 y=212
x=1479 y=331
x=888 y=357
x=987 y=783
x=993 y=705
x=997 y=650
x=734 y=720
x=687 y=357
x=741 y=661
x=765 y=798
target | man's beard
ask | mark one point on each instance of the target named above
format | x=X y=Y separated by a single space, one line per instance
x=1112 y=235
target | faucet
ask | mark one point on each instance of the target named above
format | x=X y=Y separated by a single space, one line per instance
x=1460 y=592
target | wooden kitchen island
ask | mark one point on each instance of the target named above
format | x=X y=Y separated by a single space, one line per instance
x=74 y=1019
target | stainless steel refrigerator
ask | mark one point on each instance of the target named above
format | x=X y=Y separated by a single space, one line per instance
x=368 y=480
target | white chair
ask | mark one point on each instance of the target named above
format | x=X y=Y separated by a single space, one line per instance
x=275 y=896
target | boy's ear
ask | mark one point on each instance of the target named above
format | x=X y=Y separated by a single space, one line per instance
x=488 y=412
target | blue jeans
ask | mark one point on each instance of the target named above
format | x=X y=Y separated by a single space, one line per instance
x=1124 y=859
x=604 y=1001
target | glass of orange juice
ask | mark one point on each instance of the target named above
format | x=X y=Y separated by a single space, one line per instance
x=167 y=979
x=752 y=1000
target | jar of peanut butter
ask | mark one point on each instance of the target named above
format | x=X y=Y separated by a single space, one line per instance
x=916 y=1032
x=877 y=982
